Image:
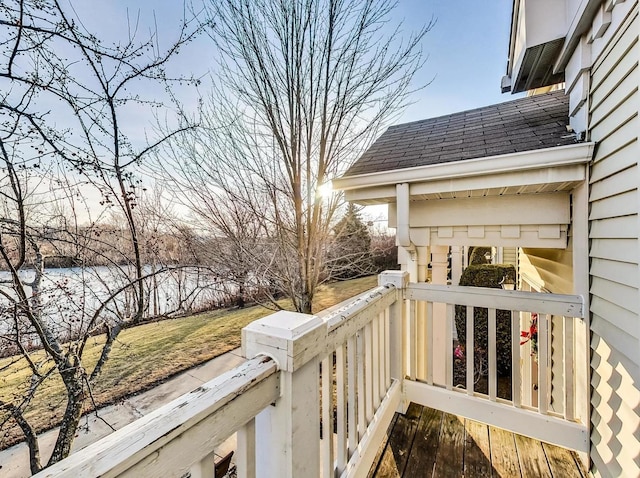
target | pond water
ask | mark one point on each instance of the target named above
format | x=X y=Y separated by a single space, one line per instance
x=70 y=296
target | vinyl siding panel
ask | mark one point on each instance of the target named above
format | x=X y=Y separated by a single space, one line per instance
x=625 y=137
x=624 y=227
x=624 y=204
x=618 y=183
x=615 y=412
x=510 y=255
x=621 y=272
x=623 y=250
x=614 y=251
x=610 y=100
x=617 y=316
x=614 y=336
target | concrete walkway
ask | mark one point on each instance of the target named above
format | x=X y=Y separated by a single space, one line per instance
x=14 y=461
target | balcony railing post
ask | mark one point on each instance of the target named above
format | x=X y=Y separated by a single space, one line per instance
x=288 y=433
x=397 y=321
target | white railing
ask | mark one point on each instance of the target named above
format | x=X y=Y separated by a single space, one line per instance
x=361 y=340
x=303 y=371
x=180 y=438
x=317 y=393
x=430 y=360
x=342 y=370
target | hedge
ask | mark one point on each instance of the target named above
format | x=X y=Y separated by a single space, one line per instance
x=487 y=275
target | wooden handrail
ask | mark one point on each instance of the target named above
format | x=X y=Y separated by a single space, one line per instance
x=554 y=304
x=172 y=439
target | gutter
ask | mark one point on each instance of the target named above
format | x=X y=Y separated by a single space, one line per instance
x=579 y=153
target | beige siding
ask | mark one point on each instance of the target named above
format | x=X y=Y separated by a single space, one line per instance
x=548 y=269
x=551 y=270
x=614 y=253
x=510 y=255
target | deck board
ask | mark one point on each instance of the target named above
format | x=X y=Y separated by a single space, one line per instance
x=504 y=455
x=477 y=453
x=450 y=456
x=395 y=455
x=422 y=456
x=533 y=461
x=381 y=450
x=561 y=461
x=430 y=443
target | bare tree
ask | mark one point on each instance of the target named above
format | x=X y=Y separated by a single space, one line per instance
x=65 y=94
x=304 y=86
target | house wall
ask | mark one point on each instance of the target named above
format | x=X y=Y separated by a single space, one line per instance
x=550 y=270
x=613 y=105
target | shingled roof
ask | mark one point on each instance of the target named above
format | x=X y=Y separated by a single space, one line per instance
x=526 y=124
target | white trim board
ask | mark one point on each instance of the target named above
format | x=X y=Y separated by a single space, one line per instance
x=580 y=153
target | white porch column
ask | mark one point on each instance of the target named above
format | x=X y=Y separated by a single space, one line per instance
x=421 y=314
x=439 y=265
x=456 y=264
x=288 y=433
x=580 y=238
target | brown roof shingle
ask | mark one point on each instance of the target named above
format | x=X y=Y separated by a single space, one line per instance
x=525 y=124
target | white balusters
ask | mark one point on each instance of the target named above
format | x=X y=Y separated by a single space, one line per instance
x=412 y=340
x=516 y=375
x=352 y=394
x=387 y=349
x=327 y=416
x=356 y=376
x=205 y=468
x=569 y=360
x=375 y=363
x=493 y=349
x=362 y=389
x=382 y=354
x=449 y=341
x=246 y=451
x=544 y=363
x=429 y=343
x=368 y=373
x=342 y=454
x=469 y=351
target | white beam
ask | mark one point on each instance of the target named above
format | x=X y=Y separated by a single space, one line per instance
x=527 y=160
x=554 y=304
x=517 y=420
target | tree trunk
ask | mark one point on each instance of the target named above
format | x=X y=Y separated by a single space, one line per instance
x=69 y=426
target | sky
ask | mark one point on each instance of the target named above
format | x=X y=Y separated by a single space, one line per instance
x=467 y=48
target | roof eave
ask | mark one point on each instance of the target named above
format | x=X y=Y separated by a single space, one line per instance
x=579 y=153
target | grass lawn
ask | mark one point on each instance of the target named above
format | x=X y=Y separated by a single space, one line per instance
x=148 y=354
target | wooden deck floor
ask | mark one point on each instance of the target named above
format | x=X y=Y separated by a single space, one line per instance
x=429 y=443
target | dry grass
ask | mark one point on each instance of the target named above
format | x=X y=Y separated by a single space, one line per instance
x=148 y=354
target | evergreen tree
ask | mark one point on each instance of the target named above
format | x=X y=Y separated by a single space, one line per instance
x=351 y=249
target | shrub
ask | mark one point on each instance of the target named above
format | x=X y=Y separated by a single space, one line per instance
x=487 y=275
x=478 y=255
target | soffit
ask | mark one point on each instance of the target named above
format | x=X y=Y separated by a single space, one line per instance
x=553 y=170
